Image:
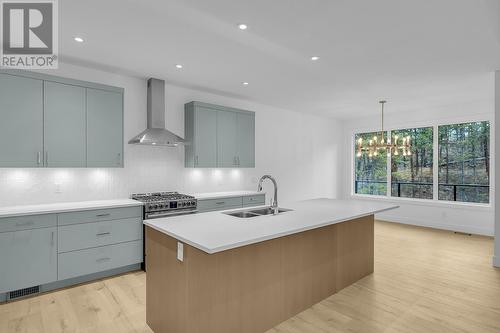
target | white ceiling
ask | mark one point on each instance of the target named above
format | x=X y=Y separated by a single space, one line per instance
x=409 y=51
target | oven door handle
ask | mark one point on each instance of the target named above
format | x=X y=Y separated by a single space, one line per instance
x=155 y=215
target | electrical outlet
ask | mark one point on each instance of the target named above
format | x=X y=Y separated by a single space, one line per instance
x=58 y=188
x=180 y=251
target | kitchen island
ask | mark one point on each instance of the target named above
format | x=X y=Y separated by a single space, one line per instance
x=214 y=272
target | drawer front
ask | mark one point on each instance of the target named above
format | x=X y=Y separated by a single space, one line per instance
x=99 y=215
x=27 y=222
x=87 y=235
x=254 y=200
x=219 y=204
x=83 y=262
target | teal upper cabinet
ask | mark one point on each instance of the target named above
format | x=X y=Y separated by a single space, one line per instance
x=219 y=136
x=21 y=112
x=64 y=125
x=246 y=140
x=49 y=121
x=104 y=128
x=227 y=143
x=201 y=132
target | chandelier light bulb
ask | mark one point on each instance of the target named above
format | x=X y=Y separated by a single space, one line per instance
x=391 y=146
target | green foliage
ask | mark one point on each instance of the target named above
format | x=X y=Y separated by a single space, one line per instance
x=371 y=172
x=463 y=164
x=464 y=158
x=416 y=168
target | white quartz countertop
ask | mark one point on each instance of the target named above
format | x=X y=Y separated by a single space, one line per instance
x=215 y=232
x=62 y=207
x=220 y=195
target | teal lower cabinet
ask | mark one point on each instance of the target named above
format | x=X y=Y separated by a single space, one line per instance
x=48 y=251
x=224 y=203
x=219 y=204
x=95 y=234
x=98 y=259
x=27 y=258
x=254 y=200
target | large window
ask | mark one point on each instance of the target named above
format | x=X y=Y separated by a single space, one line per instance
x=411 y=176
x=464 y=162
x=447 y=162
x=371 y=172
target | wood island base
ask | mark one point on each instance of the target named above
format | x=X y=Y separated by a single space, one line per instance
x=255 y=287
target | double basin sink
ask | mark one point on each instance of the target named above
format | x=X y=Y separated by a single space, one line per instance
x=247 y=213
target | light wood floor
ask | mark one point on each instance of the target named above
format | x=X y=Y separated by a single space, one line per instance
x=425 y=281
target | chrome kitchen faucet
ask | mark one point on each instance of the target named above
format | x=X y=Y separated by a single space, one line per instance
x=274 y=202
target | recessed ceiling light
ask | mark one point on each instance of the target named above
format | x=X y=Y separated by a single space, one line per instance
x=78 y=39
x=314 y=58
x=242 y=26
x=244 y=83
x=178 y=66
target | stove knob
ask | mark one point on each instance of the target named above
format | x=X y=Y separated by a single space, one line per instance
x=193 y=203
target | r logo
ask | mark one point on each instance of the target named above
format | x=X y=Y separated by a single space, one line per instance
x=27 y=28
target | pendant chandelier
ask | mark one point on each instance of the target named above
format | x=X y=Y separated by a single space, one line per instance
x=378 y=145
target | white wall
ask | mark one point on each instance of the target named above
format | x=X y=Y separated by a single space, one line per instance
x=477 y=219
x=496 y=257
x=301 y=151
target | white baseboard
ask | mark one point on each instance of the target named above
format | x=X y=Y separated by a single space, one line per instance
x=436 y=225
x=496 y=261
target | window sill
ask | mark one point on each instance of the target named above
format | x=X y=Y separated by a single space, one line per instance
x=425 y=202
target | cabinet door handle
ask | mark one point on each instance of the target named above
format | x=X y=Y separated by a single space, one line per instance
x=52 y=239
x=196 y=160
x=39 y=158
x=103 y=215
x=47 y=158
x=25 y=224
x=220 y=202
x=238 y=159
x=118 y=159
x=103 y=234
x=100 y=260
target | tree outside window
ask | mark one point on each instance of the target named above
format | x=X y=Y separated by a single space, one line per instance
x=370 y=172
x=411 y=175
x=464 y=162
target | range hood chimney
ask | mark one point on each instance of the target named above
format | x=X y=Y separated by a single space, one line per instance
x=156 y=134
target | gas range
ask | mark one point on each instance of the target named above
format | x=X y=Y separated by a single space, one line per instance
x=162 y=204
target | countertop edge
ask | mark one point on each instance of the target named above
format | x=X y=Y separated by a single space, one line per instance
x=262 y=239
x=93 y=205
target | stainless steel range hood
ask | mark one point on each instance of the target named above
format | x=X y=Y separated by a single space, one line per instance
x=156 y=134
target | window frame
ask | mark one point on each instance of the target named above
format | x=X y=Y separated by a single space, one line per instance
x=435 y=167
